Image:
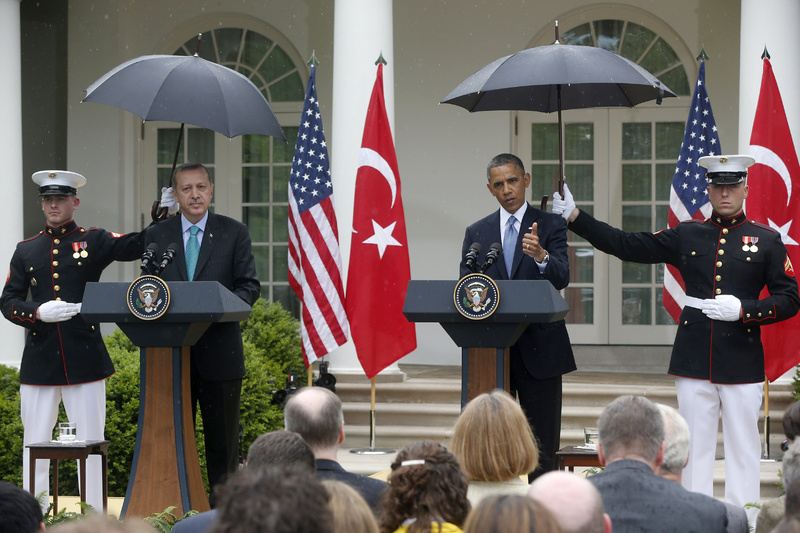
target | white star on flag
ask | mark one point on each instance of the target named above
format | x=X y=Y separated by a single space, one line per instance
x=382 y=237
x=784 y=231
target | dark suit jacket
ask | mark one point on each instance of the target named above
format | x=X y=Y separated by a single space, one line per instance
x=545 y=348
x=226 y=255
x=371 y=489
x=639 y=500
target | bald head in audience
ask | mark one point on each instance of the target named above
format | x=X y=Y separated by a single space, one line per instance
x=574 y=501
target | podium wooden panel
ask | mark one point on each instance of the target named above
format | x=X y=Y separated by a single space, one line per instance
x=483 y=370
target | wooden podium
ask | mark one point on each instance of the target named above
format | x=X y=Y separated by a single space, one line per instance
x=485 y=343
x=165 y=470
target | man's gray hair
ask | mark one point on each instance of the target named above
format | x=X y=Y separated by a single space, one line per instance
x=791 y=464
x=504 y=159
x=315 y=413
x=631 y=424
x=676 y=440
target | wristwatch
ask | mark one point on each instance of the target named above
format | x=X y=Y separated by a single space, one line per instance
x=545 y=260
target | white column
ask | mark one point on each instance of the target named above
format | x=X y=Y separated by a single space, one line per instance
x=770 y=23
x=11 y=176
x=362 y=30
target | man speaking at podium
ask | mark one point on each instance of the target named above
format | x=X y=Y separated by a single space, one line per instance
x=534 y=246
x=211 y=247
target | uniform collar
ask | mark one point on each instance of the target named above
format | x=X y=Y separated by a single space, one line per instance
x=60 y=231
x=730 y=222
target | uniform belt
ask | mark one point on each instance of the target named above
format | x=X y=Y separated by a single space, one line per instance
x=691 y=301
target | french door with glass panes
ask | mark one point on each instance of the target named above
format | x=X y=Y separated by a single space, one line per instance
x=619 y=166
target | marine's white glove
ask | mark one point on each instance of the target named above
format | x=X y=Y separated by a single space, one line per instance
x=724 y=307
x=566 y=206
x=57 y=311
x=168 y=200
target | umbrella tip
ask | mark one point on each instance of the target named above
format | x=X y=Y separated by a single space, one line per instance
x=197 y=47
x=702 y=56
x=765 y=55
x=556 y=28
x=381 y=59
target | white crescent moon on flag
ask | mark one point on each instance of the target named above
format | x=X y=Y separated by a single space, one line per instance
x=371 y=158
x=767 y=157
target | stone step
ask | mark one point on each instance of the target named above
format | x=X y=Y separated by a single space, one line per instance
x=410 y=391
x=399 y=414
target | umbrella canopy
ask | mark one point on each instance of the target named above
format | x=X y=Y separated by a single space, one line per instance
x=531 y=79
x=190 y=90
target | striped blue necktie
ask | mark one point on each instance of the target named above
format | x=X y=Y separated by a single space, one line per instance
x=192 y=252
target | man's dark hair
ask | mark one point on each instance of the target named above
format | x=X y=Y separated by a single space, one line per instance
x=631 y=424
x=315 y=413
x=191 y=166
x=504 y=159
x=281 y=448
x=19 y=510
x=273 y=500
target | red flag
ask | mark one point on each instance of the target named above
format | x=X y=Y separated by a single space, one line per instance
x=315 y=264
x=379 y=269
x=774 y=199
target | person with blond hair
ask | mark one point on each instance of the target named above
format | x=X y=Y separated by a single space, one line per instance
x=427 y=492
x=500 y=513
x=495 y=445
x=351 y=514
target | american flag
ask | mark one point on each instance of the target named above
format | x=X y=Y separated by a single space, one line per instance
x=687 y=197
x=315 y=262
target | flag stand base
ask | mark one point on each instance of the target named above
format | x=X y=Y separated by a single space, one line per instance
x=372 y=450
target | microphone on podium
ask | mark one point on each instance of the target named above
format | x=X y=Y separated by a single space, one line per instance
x=472 y=256
x=491 y=256
x=148 y=256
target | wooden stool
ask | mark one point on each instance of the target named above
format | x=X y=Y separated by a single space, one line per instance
x=79 y=450
x=571 y=456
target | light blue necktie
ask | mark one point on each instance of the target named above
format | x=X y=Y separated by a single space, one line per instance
x=192 y=252
x=510 y=244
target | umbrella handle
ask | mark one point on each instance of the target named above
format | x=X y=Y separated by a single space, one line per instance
x=156 y=214
x=544 y=202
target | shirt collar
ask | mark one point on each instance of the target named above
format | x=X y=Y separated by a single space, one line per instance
x=505 y=215
x=185 y=224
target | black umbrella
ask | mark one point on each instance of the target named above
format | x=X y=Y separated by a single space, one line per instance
x=189 y=90
x=557 y=77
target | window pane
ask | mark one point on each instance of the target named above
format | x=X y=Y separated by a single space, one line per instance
x=200 y=146
x=261 y=255
x=544 y=142
x=609 y=34
x=676 y=80
x=581 y=305
x=660 y=273
x=659 y=57
x=637 y=39
x=543 y=179
x=636 y=218
x=636 y=306
x=283 y=152
x=280 y=183
x=255 y=47
x=255 y=184
x=163 y=177
x=579 y=141
x=276 y=64
x=289 y=89
x=280 y=263
x=636 y=273
x=280 y=225
x=581 y=35
x=580 y=179
x=284 y=295
x=228 y=42
x=669 y=136
x=662 y=214
x=637 y=141
x=662 y=317
x=167 y=144
x=256 y=218
x=664 y=175
x=255 y=148
x=635 y=182
x=581 y=264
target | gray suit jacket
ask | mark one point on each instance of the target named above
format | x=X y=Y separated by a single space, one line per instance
x=639 y=500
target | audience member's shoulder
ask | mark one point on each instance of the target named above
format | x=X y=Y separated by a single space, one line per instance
x=199 y=523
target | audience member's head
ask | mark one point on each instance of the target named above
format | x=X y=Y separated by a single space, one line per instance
x=790 y=469
x=791 y=421
x=787 y=525
x=351 y=514
x=503 y=513
x=631 y=427
x=427 y=485
x=102 y=524
x=315 y=413
x=676 y=443
x=272 y=500
x=281 y=448
x=19 y=510
x=573 y=500
x=493 y=440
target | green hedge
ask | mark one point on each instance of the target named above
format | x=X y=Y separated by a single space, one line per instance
x=271 y=347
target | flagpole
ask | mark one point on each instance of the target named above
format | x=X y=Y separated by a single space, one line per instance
x=372 y=450
x=766 y=457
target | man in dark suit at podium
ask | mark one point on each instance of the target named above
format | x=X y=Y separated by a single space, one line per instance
x=543 y=352
x=211 y=247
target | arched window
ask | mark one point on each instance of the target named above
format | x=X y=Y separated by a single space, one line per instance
x=250 y=172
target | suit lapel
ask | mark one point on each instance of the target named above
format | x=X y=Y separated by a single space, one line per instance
x=496 y=236
x=212 y=234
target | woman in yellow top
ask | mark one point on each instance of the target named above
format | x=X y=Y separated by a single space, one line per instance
x=427 y=492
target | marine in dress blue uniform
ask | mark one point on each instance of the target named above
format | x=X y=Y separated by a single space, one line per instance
x=64 y=356
x=717 y=358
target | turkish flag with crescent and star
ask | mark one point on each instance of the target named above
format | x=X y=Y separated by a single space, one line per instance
x=379 y=270
x=774 y=199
